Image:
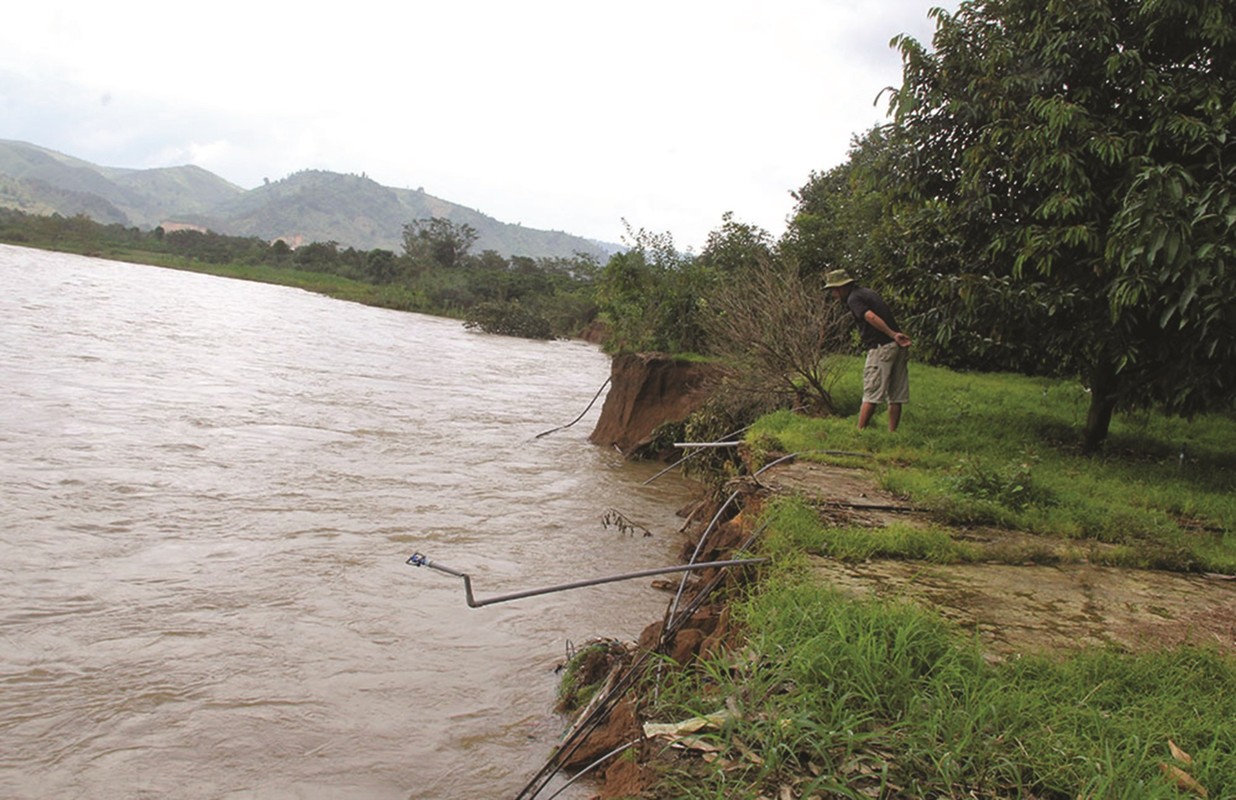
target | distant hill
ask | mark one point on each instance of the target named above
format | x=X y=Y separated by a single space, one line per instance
x=307 y=206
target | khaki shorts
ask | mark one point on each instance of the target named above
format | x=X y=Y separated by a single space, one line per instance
x=886 y=377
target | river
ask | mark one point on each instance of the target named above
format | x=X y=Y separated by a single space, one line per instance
x=208 y=491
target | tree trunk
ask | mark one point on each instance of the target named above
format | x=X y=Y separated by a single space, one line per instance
x=1103 y=390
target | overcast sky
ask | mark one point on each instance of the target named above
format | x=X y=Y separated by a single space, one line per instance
x=557 y=114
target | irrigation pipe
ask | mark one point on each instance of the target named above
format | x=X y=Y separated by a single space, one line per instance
x=418 y=560
x=577 y=419
x=602 y=707
x=594 y=765
x=682 y=584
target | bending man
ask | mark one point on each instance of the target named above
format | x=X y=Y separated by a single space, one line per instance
x=886 y=378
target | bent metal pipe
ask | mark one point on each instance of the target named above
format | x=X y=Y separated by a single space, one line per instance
x=419 y=560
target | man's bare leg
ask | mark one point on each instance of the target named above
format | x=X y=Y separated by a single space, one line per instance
x=864 y=414
x=894 y=415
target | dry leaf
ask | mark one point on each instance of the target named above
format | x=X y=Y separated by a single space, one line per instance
x=694 y=743
x=731 y=703
x=787 y=793
x=692 y=725
x=1179 y=754
x=1183 y=780
x=748 y=753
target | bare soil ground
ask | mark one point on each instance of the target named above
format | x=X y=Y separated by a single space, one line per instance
x=1017 y=608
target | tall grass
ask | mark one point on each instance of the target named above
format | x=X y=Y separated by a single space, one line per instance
x=837 y=698
x=999 y=449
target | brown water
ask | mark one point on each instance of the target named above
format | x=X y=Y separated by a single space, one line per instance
x=208 y=489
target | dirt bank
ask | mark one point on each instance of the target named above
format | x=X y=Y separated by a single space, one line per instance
x=648 y=390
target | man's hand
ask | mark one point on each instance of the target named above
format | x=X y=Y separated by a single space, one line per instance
x=879 y=324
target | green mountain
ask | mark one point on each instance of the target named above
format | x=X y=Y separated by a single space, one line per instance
x=41 y=181
x=308 y=206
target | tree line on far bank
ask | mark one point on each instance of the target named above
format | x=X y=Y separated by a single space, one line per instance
x=437 y=273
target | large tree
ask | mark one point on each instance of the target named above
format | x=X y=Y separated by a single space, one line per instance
x=438 y=242
x=840 y=220
x=1069 y=194
x=649 y=296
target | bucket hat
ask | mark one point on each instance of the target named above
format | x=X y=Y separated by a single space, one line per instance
x=837 y=277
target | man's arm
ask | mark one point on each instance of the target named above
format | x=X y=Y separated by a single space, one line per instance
x=877 y=322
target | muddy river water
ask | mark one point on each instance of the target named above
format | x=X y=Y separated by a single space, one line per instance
x=208 y=490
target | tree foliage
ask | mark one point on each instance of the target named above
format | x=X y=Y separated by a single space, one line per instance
x=438 y=243
x=508 y=319
x=650 y=296
x=736 y=247
x=1064 y=173
x=842 y=218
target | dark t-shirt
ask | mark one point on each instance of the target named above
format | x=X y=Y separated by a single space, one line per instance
x=861 y=300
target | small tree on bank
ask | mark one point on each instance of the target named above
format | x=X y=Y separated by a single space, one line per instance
x=778 y=333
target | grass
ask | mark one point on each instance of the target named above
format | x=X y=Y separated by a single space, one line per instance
x=1002 y=450
x=801 y=532
x=837 y=698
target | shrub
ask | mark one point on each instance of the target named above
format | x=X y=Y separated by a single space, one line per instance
x=508 y=319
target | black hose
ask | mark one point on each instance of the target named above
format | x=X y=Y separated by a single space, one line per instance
x=577 y=419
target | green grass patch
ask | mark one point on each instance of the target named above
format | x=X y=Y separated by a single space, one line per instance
x=1002 y=450
x=801 y=532
x=840 y=698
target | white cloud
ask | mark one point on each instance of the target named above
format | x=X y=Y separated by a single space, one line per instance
x=552 y=113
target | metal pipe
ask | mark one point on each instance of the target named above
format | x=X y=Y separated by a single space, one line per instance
x=682 y=585
x=418 y=560
x=594 y=765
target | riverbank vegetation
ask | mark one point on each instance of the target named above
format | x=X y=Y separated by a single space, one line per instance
x=996 y=449
x=833 y=697
x=825 y=695
x=1054 y=196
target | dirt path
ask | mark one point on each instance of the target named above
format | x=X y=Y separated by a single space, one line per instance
x=1016 y=608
